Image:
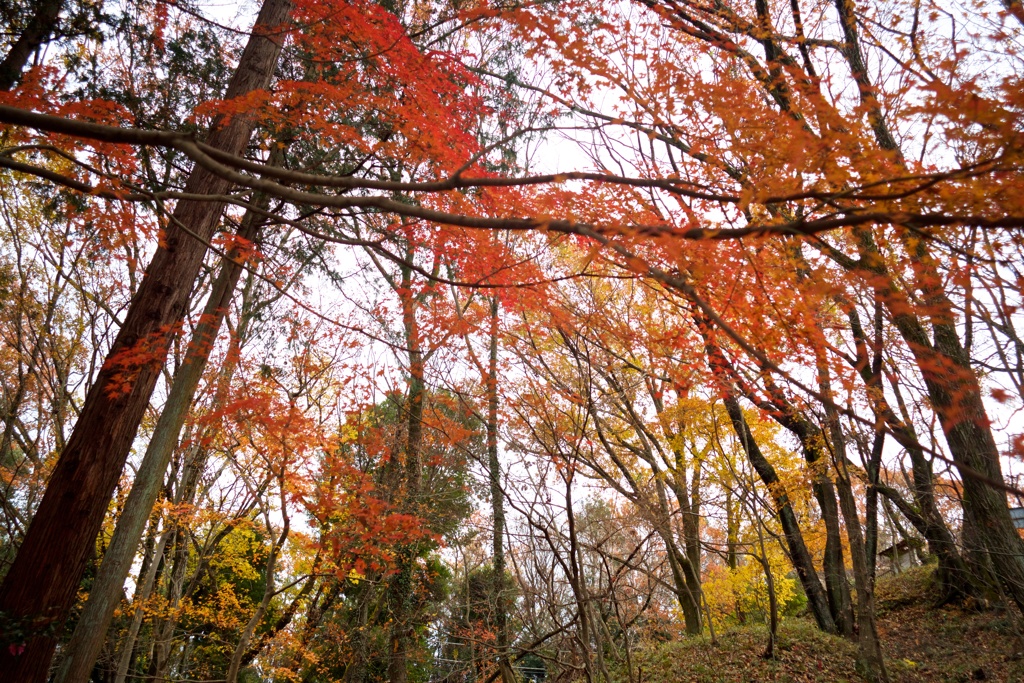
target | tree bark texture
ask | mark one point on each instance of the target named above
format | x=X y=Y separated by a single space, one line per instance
x=87 y=639
x=497 y=499
x=40 y=588
x=955 y=396
x=799 y=555
x=402 y=588
x=817 y=598
x=40 y=27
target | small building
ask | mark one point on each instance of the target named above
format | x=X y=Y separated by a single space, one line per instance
x=899 y=557
x=1017 y=515
x=532 y=669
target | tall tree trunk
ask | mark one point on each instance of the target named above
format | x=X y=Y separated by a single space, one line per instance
x=957 y=582
x=355 y=672
x=956 y=398
x=268 y=592
x=40 y=587
x=955 y=395
x=798 y=553
x=689 y=507
x=686 y=582
x=871 y=662
x=684 y=563
x=40 y=27
x=684 y=572
x=817 y=598
x=87 y=639
x=874 y=466
x=782 y=411
x=870 y=659
x=497 y=498
x=952 y=386
x=402 y=587
x=811 y=442
x=836 y=585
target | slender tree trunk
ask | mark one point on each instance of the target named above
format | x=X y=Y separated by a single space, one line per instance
x=186 y=488
x=684 y=573
x=732 y=534
x=261 y=610
x=681 y=573
x=497 y=498
x=143 y=592
x=955 y=396
x=402 y=587
x=782 y=411
x=811 y=442
x=87 y=640
x=957 y=580
x=873 y=461
x=355 y=672
x=685 y=563
x=798 y=553
x=773 y=600
x=871 y=661
x=40 y=587
x=577 y=580
x=690 y=507
x=953 y=387
x=836 y=585
x=732 y=530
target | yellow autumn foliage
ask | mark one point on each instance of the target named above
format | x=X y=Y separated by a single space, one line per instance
x=741 y=593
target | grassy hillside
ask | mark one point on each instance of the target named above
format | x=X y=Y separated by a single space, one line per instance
x=947 y=643
x=805 y=654
x=922 y=643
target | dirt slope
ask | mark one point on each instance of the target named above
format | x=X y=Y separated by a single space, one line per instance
x=923 y=642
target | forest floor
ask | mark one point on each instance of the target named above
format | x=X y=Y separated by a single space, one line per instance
x=922 y=643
